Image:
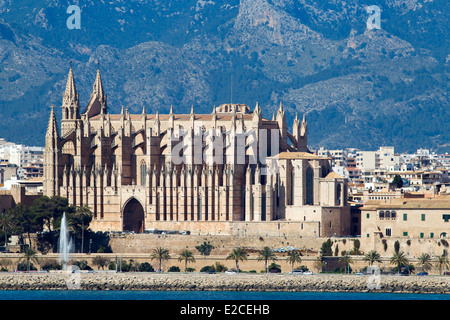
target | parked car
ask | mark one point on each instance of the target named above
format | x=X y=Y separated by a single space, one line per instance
x=298 y=272
x=210 y=272
x=308 y=273
x=422 y=274
x=230 y=272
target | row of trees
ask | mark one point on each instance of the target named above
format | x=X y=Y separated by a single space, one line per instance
x=237 y=255
x=399 y=258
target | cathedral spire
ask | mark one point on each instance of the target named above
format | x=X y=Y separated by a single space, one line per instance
x=52 y=127
x=98 y=85
x=97 y=102
x=304 y=127
x=71 y=103
x=70 y=94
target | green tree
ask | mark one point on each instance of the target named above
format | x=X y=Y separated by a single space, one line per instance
x=186 y=256
x=160 y=254
x=400 y=259
x=293 y=258
x=237 y=255
x=80 y=221
x=205 y=248
x=371 y=257
x=7 y=224
x=265 y=255
x=397 y=181
x=24 y=221
x=356 y=246
x=442 y=261
x=326 y=248
x=425 y=261
x=397 y=246
x=48 y=211
x=30 y=255
x=346 y=260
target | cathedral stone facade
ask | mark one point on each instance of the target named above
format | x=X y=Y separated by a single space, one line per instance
x=220 y=173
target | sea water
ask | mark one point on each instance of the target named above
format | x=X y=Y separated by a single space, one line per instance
x=207 y=295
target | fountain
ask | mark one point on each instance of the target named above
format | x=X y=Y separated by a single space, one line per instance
x=65 y=245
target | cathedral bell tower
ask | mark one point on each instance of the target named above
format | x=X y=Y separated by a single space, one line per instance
x=70 y=106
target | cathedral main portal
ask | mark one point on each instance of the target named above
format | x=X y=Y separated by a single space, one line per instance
x=133 y=216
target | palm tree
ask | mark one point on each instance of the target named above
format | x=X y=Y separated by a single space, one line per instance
x=265 y=255
x=400 y=259
x=237 y=255
x=160 y=254
x=293 y=257
x=7 y=223
x=371 y=257
x=30 y=254
x=346 y=260
x=425 y=261
x=81 y=213
x=187 y=256
x=442 y=261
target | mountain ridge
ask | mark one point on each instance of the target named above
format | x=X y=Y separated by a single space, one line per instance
x=358 y=87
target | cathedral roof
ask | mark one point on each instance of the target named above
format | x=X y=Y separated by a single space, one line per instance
x=181 y=117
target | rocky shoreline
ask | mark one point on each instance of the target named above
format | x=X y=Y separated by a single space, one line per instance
x=223 y=282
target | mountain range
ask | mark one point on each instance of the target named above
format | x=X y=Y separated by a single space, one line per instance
x=358 y=87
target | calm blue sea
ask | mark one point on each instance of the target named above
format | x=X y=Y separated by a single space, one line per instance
x=208 y=295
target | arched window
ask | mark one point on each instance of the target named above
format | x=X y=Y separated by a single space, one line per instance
x=143 y=173
x=381 y=215
x=309 y=186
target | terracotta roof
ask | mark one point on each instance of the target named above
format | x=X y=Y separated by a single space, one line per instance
x=334 y=175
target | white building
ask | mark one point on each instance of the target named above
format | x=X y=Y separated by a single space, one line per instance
x=21 y=155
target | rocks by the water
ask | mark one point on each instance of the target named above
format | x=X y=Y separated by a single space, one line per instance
x=223 y=282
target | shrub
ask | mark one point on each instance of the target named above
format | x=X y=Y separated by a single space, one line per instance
x=146 y=267
x=23 y=266
x=51 y=264
x=208 y=269
x=174 y=269
x=397 y=246
x=302 y=268
x=100 y=262
x=274 y=268
x=205 y=248
x=220 y=267
x=83 y=265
